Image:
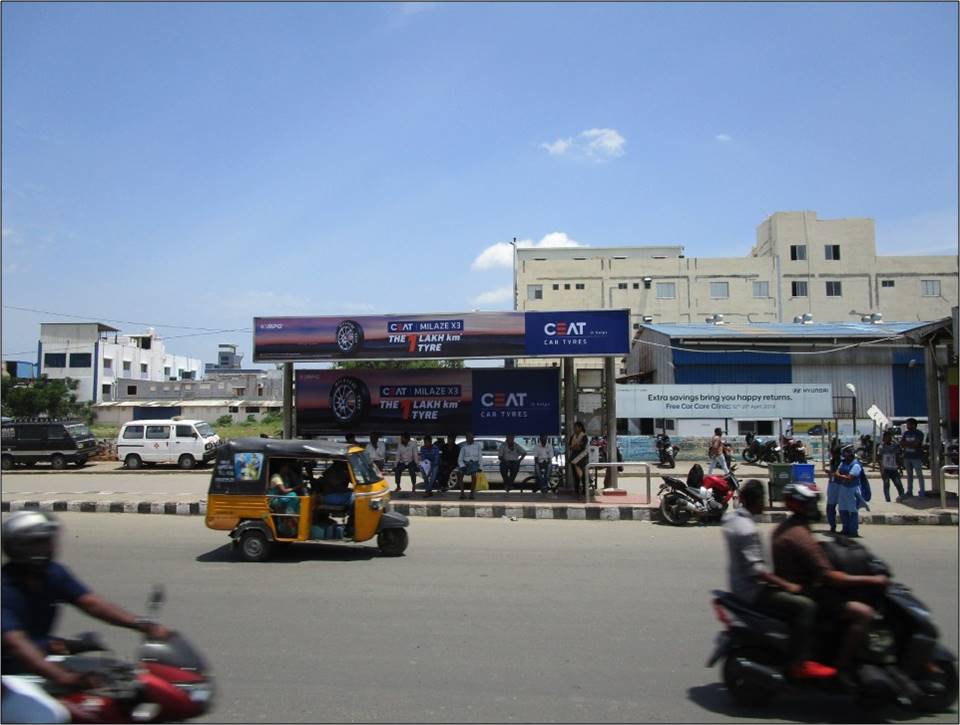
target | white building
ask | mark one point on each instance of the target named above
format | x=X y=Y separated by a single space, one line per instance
x=98 y=356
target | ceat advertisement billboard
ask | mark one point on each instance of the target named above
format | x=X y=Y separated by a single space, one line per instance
x=442 y=336
x=435 y=401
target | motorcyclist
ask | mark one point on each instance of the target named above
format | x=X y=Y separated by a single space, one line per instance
x=752 y=582
x=799 y=559
x=33 y=585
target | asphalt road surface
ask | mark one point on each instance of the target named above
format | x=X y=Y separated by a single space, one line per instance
x=481 y=620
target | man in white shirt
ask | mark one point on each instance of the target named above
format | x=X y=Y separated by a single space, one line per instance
x=377 y=450
x=510 y=454
x=469 y=463
x=543 y=463
x=408 y=459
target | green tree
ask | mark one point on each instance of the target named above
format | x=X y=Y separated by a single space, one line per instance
x=56 y=398
x=399 y=364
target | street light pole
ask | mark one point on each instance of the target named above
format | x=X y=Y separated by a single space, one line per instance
x=853 y=390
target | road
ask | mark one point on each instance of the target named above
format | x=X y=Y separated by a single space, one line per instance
x=481 y=621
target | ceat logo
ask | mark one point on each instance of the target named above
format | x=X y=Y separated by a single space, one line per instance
x=562 y=329
x=503 y=400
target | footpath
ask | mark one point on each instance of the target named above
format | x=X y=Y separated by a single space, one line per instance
x=629 y=503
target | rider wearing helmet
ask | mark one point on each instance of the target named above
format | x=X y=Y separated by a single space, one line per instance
x=799 y=559
x=33 y=585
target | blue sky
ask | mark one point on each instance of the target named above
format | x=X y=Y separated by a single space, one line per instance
x=194 y=165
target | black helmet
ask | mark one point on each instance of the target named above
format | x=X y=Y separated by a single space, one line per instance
x=30 y=537
x=807 y=496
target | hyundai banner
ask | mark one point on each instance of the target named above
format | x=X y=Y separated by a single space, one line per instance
x=446 y=336
x=435 y=401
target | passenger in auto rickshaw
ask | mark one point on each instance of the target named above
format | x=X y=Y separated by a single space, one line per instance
x=334 y=485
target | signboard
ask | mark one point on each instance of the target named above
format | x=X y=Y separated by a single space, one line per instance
x=787 y=400
x=432 y=337
x=876 y=415
x=435 y=401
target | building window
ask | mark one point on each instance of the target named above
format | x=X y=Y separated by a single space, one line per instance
x=556 y=287
x=798 y=252
x=798 y=289
x=580 y=285
x=131 y=390
x=666 y=290
x=188 y=374
x=886 y=283
x=930 y=287
x=534 y=291
x=761 y=289
x=239 y=392
x=566 y=286
x=621 y=285
x=107 y=363
x=834 y=289
x=80 y=359
x=252 y=409
x=166 y=372
x=831 y=251
x=105 y=389
x=126 y=366
x=719 y=290
x=54 y=359
x=234 y=409
x=143 y=368
x=636 y=285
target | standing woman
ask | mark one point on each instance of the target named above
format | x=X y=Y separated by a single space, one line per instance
x=848 y=493
x=578 y=448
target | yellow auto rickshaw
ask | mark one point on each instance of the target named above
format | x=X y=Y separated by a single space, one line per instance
x=266 y=491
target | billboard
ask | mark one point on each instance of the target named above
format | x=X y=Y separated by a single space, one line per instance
x=442 y=336
x=435 y=401
x=786 y=400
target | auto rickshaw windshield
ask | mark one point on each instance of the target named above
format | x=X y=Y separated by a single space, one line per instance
x=363 y=468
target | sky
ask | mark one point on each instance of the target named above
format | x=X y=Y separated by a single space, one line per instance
x=189 y=166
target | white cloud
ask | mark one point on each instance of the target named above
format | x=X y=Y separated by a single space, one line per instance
x=501 y=253
x=598 y=144
x=498 y=296
x=723 y=138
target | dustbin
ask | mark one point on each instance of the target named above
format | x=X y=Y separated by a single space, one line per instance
x=780 y=475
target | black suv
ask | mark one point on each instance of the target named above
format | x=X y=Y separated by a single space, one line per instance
x=57 y=440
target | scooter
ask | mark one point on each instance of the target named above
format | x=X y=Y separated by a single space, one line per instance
x=169 y=681
x=705 y=498
x=758 y=451
x=901 y=660
x=666 y=451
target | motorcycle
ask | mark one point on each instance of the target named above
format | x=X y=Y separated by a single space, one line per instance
x=794 y=450
x=168 y=682
x=865 y=449
x=703 y=497
x=666 y=451
x=758 y=451
x=901 y=660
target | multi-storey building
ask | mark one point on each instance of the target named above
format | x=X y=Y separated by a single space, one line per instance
x=826 y=269
x=99 y=357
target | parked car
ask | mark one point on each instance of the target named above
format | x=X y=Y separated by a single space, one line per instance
x=170 y=440
x=26 y=441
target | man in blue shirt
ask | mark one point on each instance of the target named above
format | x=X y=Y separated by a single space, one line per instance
x=912 y=443
x=33 y=587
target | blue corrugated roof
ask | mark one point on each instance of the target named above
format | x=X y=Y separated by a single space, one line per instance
x=786 y=329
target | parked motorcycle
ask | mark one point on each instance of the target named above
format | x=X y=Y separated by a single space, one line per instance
x=901 y=661
x=758 y=451
x=794 y=450
x=702 y=497
x=666 y=451
x=865 y=449
x=169 y=681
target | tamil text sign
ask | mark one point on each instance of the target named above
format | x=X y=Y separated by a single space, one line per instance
x=787 y=400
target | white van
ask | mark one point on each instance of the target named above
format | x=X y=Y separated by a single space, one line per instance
x=184 y=442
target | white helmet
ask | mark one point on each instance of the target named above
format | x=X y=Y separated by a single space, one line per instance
x=30 y=537
x=804 y=494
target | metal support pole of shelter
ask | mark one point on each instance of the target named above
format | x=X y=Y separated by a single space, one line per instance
x=288 y=400
x=569 y=415
x=610 y=383
x=933 y=415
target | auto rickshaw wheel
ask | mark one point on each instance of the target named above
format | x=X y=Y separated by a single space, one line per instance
x=254 y=546
x=392 y=542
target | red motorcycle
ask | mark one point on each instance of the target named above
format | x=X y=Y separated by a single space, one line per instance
x=169 y=682
x=702 y=497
